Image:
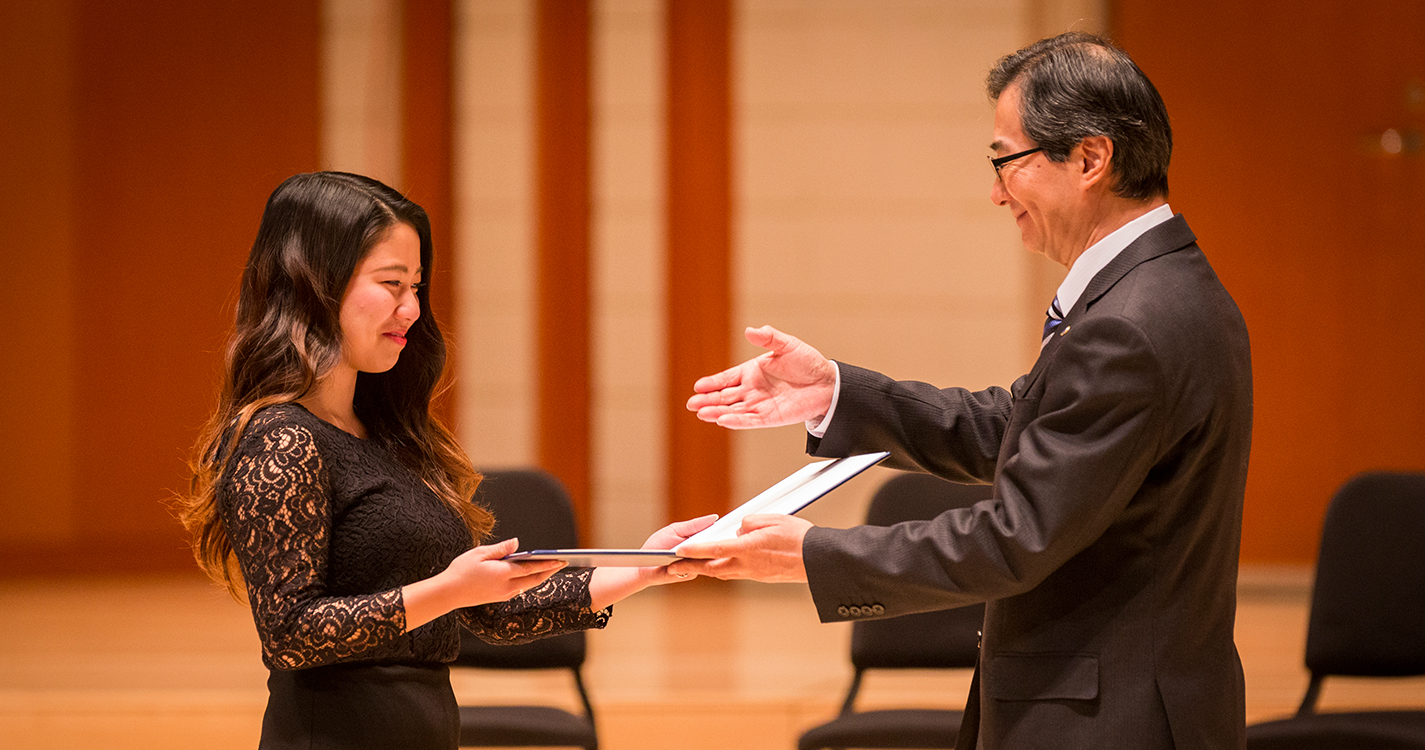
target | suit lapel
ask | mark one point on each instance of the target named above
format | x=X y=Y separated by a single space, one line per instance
x=1165 y=238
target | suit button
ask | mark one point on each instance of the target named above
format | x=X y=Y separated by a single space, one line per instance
x=843 y=611
x=877 y=609
x=856 y=611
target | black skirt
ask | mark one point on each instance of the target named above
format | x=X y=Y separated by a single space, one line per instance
x=397 y=706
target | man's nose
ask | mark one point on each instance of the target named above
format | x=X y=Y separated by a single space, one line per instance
x=998 y=195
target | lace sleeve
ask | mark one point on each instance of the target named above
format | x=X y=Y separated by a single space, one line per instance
x=277 y=511
x=557 y=606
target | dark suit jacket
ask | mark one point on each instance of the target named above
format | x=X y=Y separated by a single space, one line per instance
x=1108 y=555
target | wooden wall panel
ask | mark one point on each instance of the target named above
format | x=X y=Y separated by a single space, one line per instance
x=427 y=145
x=37 y=368
x=183 y=118
x=562 y=180
x=1278 y=110
x=699 y=307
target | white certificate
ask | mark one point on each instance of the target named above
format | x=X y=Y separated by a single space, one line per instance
x=788 y=496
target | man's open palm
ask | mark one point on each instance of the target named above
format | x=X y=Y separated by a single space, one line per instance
x=790 y=383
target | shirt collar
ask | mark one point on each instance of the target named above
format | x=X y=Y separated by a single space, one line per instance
x=1105 y=250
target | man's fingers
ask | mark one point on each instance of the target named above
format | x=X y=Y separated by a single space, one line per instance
x=728 y=396
x=732 y=394
x=770 y=338
x=757 y=521
x=760 y=336
x=736 y=421
x=725 y=379
x=705 y=551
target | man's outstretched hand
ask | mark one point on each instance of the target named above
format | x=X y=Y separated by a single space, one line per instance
x=788 y=384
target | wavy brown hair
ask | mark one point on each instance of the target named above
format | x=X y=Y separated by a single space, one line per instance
x=315 y=230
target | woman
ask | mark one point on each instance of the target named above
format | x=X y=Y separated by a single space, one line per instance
x=323 y=485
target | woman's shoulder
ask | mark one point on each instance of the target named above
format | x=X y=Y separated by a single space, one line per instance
x=280 y=426
x=276 y=416
x=277 y=443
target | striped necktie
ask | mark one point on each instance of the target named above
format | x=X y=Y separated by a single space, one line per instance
x=1053 y=318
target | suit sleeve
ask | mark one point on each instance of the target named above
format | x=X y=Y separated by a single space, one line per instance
x=952 y=433
x=1079 y=448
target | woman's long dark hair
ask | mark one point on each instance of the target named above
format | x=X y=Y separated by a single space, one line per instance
x=315 y=230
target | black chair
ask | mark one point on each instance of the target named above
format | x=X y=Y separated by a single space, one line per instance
x=535 y=507
x=1367 y=616
x=948 y=639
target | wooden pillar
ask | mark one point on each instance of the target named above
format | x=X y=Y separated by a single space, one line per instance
x=427 y=128
x=699 y=303
x=562 y=180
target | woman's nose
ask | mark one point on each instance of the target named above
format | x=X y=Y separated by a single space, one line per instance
x=410 y=306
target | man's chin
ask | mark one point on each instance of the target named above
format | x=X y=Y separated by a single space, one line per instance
x=1030 y=245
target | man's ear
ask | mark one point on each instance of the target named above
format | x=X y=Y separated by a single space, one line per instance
x=1097 y=153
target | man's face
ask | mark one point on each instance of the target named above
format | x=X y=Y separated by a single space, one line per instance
x=1044 y=196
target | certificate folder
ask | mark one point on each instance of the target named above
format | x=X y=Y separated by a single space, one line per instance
x=797 y=491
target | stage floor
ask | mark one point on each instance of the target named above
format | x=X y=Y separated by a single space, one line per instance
x=163 y=662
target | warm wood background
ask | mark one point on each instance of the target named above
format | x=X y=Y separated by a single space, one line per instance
x=1279 y=111
x=140 y=141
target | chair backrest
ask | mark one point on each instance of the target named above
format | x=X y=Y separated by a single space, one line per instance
x=535 y=507
x=942 y=639
x=1368 y=601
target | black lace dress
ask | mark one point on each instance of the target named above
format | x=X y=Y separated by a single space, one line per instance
x=327 y=528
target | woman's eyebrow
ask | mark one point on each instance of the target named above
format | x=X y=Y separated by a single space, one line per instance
x=400 y=267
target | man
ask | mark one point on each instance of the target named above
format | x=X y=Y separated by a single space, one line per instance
x=1108 y=554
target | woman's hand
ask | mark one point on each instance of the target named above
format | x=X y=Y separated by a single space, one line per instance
x=483 y=577
x=478 y=576
x=609 y=585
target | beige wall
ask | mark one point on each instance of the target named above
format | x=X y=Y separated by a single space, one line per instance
x=361 y=88
x=628 y=270
x=494 y=233
x=862 y=219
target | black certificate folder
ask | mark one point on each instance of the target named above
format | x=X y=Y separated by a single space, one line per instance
x=800 y=489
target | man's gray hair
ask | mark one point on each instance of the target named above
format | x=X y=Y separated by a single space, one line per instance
x=1076 y=85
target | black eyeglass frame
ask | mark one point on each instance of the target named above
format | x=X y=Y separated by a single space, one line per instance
x=1003 y=160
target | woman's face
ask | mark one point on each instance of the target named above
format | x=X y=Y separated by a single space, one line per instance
x=380 y=303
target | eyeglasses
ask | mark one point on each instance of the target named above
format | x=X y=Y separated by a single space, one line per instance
x=1003 y=160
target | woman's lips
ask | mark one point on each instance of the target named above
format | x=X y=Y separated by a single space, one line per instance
x=397 y=336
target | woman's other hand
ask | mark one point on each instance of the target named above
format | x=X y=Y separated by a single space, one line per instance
x=478 y=576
